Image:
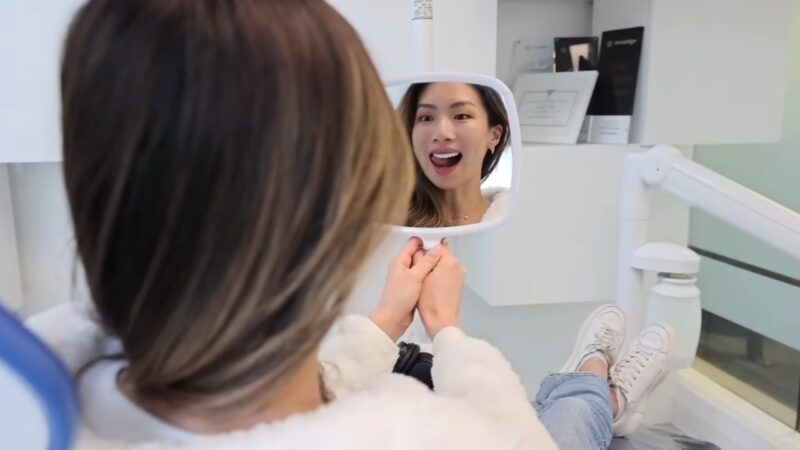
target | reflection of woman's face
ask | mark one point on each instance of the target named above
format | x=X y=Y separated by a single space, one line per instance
x=451 y=134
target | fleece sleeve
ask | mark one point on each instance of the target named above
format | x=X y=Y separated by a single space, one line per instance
x=353 y=353
x=477 y=374
x=72 y=334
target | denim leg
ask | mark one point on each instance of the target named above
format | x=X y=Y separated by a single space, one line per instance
x=576 y=410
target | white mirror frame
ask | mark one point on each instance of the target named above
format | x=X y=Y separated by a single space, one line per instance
x=431 y=236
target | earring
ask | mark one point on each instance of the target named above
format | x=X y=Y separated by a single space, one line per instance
x=491 y=149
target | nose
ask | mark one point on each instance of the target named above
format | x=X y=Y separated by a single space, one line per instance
x=443 y=131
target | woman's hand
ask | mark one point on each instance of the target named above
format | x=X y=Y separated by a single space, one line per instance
x=395 y=311
x=440 y=299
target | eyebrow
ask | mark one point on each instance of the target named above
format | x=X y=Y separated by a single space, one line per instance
x=454 y=105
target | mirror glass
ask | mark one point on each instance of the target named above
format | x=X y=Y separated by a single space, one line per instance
x=463 y=138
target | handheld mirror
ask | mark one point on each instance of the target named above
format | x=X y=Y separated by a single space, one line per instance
x=466 y=139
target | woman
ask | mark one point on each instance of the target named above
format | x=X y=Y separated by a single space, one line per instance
x=226 y=163
x=458 y=132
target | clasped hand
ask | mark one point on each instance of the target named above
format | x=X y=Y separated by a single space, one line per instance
x=428 y=282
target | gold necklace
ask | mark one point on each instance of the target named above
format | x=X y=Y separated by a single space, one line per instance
x=465 y=217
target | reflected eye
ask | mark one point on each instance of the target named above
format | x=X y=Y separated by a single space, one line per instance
x=463 y=116
x=424 y=118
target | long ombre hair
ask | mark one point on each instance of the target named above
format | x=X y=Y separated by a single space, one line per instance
x=226 y=163
x=427 y=208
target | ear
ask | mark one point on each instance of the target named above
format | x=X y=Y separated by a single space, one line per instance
x=495 y=133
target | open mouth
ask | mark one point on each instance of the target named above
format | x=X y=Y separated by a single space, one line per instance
x=445 y=159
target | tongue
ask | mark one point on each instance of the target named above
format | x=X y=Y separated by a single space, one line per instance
x=445 y=162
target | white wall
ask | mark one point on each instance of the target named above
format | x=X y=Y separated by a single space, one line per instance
x=31 y=34
x=10 y=281
x=44 y=235
x=384 y=28
x=30 y=48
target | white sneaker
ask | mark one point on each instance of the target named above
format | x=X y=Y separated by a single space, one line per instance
x=602 y=332
x=639 y=371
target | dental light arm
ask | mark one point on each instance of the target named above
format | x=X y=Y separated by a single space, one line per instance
x=422 y=34
x=665 y=168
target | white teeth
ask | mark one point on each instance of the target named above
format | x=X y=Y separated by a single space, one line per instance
x=446 y=155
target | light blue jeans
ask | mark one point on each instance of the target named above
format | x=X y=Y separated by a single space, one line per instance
x=576 y=410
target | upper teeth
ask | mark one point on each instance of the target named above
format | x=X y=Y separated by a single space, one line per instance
x=446 y=155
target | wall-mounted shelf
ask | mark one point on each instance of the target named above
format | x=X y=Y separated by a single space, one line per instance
x=712 y=72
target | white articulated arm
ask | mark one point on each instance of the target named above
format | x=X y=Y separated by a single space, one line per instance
x=666 y=168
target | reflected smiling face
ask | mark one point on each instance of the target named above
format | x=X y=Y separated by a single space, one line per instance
x=451 y=134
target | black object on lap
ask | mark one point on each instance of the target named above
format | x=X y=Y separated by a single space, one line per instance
x=414 y=363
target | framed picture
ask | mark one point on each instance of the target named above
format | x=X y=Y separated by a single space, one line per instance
x=552 y=105
x=575 y=53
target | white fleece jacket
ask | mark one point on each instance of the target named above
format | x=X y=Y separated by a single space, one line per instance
x=479 y=401
x=499 y=198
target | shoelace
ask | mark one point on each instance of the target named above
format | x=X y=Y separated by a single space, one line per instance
x=605 y=339
x=629 y=369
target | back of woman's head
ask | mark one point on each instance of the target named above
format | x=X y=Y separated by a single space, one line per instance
x=226 y=162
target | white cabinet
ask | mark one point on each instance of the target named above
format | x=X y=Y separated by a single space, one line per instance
x=560 y=244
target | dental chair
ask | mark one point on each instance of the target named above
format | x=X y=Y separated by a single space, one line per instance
x=38 y=404
x=660 y=437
